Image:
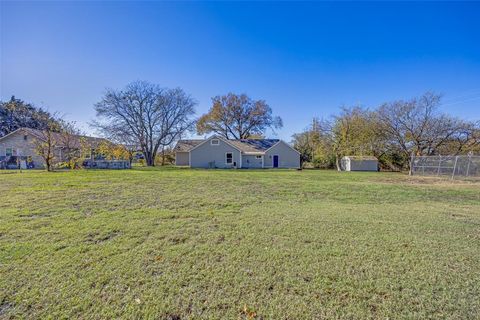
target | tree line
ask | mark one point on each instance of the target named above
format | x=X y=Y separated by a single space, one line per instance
x=155 y=118
x=149 y=118
x=392 y=132
x=144 y=117
x=58 y=142
x=16 y=113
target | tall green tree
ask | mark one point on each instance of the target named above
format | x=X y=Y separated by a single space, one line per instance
x=315 y=144
x=355 y=132
x=16 y=113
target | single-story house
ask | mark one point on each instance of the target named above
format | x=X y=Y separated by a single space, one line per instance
x=17 y=149
x=359 y=163
x=218 y=152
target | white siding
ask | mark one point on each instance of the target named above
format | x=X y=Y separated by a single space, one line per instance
x=363 y=165
x=250 y=161
x=287 y=157
x=182 y=158
x=23 y=147
x=206 y=154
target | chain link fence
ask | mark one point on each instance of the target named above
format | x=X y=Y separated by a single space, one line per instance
x=451 y=166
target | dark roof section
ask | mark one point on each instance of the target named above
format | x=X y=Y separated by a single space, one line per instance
x=245 y=145
x=186 y=145
x=254 y=145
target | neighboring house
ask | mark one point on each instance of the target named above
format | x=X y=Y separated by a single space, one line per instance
x=359 y=163
x=218 y=152
x=17 y=149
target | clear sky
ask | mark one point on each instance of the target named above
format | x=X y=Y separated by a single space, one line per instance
x=305 y=59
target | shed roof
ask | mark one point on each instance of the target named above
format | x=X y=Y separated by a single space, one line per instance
x=361 y=158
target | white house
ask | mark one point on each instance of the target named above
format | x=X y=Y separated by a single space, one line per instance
x=218 y=152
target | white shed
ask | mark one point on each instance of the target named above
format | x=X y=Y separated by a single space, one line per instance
x=359 y=163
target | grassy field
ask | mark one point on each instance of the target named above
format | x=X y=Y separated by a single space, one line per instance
x=198 y=244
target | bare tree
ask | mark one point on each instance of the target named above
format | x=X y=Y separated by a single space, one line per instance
x=465 y=140
x=392 y=133
x=151 y=116
x=417 y=127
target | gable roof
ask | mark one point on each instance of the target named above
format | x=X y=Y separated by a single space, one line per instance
x=215 y=137
x=76 y=139
x=187 y=145
x=243 y=145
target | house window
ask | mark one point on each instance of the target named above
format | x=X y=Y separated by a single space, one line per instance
x=258 y=157
x=229 y=158
x=10 y=152
x=214 y=142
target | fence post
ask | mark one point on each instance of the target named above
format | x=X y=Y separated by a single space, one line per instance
x=411 y=164
x=454 y=167
x=468 y=164
x=439 y=165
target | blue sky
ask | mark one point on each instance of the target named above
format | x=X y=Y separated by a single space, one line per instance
x=305 y=59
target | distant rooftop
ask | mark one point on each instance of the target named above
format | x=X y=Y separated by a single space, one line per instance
x=75 y=142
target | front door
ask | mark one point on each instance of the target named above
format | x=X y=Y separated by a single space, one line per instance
x=275 y=161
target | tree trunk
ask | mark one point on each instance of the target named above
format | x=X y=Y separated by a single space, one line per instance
x=150 y=158
x=163 y=156
x=410 y=164
x=337 y=163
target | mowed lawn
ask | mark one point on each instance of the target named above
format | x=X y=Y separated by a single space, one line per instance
x=199 y=244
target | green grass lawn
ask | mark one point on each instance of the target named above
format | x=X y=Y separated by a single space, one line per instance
x=199 y=244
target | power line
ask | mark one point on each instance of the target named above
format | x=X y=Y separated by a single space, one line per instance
x=463 y=96
x=461 y=101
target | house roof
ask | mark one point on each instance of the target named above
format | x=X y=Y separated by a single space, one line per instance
x=244 y=145
x=187 y=145
x=254 y=145
x=75 y=139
